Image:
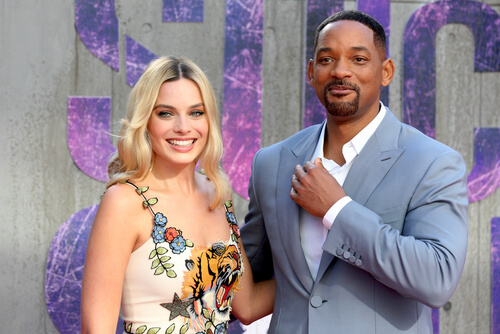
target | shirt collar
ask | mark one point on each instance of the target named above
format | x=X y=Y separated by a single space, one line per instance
x=358 y=142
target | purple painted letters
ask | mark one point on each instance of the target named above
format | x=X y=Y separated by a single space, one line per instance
x=137 y=59
x=182 y=10
x=242 y=96
x=97 y=26
x=88 y=134
x=419 y=82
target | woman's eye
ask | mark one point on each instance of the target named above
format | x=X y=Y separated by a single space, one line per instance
x=164 y=114
x=197 y=113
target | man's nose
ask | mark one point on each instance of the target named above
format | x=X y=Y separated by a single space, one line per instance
x=341 y=69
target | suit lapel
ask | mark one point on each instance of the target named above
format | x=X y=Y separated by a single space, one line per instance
x=288 y=210
x=374 y=161
x=369 y=168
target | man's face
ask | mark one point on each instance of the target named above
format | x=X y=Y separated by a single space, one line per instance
x=348 y=70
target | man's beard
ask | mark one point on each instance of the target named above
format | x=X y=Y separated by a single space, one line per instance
x=341 y=109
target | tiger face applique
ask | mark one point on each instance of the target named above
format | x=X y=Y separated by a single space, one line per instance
x=213 y=274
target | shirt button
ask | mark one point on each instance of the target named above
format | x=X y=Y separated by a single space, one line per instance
x=316 y=301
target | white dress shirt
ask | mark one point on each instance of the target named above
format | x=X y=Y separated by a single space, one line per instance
x=313 y=230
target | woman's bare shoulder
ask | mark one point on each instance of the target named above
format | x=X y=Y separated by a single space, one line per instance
x=122 y=200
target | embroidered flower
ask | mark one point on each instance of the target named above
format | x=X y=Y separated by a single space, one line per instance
x=158 y=234
x=231 y=218
x=160 y=219
x=220 y=328
x=178 y=245
x=171 y=233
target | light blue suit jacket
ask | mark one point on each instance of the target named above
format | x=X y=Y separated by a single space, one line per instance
x=394 y=252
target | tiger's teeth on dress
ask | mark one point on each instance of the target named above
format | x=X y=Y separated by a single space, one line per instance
x=181 y=142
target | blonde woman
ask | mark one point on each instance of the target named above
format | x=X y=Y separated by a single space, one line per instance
x=164 y=251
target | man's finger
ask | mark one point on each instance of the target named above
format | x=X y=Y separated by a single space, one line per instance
x=299 y=172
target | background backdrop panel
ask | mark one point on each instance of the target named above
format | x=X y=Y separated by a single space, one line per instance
x=68 y=67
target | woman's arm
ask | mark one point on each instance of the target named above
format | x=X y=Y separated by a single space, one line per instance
x=252 y=300
x=112 y=239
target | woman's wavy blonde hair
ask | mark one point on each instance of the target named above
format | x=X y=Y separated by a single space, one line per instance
x=135 y=158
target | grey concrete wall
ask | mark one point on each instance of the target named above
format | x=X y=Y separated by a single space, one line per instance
x=43 y=62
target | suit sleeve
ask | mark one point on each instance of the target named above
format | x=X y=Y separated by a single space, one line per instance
x=253 y=233
x=425 y=260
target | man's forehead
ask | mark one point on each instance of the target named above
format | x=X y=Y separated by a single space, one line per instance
x=347 y=29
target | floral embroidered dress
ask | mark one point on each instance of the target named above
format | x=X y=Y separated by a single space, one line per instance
x=174 y=286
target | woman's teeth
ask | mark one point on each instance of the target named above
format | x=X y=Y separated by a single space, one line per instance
x=181 y=142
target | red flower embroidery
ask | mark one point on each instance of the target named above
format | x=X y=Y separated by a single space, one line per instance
x=236 y=230
x=171 y=233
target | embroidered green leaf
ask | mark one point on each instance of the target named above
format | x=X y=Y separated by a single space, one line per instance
x=129 y=328
x=152 y=254
x=155 y=263
x=206 y=313
x=161 y=250
x=189 y=243
x=153 y=330
x=228 y=203
x=184 y=329
x=168 y=265
x=151 y=201
x=170 y=329
x=141 y=190
x=159 y=270
x=164 y=259
x=208 y=324
x=235 y=239
x=213 y=317
x=171 y=273
x=141 y=329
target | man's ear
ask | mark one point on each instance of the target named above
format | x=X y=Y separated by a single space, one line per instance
x=388 y=70
x=310 y=72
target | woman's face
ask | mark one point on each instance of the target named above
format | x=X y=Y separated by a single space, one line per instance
x=178 y=126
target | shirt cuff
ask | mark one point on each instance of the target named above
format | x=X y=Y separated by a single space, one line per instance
x=334 y=211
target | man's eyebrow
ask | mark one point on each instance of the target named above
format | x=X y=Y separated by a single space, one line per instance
x=354 y=48
x=324 y=49
x=360 y=48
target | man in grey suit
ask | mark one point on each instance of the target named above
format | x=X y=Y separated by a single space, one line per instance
x=362 y=220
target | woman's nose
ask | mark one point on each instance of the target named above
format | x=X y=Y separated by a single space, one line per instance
x=182 y=125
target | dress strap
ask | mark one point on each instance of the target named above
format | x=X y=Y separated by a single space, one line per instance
x=148 y=202
x=231 y=219
x=228 y=204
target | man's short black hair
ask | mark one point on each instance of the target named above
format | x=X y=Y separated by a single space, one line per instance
x=379 y=38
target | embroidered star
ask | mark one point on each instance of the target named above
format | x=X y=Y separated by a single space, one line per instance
x=177 y=307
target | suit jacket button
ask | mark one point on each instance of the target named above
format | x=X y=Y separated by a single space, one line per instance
x=358 y=262
x=316 y=301
x=347 y=255
x=340 y=251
